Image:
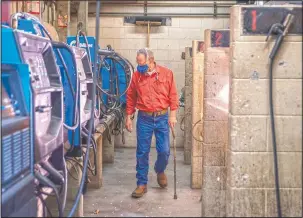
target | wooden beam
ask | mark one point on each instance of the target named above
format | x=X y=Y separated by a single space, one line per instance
x=62 y=11
x=83 y=16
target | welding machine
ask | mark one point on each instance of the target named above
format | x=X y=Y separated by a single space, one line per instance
x=80 y=83
x=46 y=94
x=46 y=87
x=89 y=45
x=17 y=178
x=77 y=89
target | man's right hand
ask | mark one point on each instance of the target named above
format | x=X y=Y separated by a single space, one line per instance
x=129 y=123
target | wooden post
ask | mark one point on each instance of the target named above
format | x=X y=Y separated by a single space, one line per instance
x=83 y=16
x=63 y=16
x=96 y=180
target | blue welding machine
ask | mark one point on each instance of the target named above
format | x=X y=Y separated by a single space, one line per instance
x=72 y=41
x=46 y=87
x=82 y=91
x=65 y=59
x=17 y=178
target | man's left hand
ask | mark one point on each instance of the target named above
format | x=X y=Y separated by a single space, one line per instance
x=172 y=121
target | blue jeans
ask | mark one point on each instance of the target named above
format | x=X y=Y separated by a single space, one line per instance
x=146 y=126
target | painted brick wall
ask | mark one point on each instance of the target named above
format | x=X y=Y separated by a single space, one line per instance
x=250 y=168
x=168 y=43
x=215 y=128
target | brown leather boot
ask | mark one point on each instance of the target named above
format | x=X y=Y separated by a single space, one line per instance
x=139 y=191
x=162 y=180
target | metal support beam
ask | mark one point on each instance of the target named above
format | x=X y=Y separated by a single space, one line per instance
x=170 y=3
x=127 y=14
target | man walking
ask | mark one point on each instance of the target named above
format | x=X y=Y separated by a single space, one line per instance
x=152 y=91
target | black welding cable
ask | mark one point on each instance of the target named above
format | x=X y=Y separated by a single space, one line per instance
x=72 y=162
x=83 y=180
x=107 y=107
x=45 y=181
x=273 y=133
x=94 y=146
x=281 y=31
x=119 y=94
x=76 y=162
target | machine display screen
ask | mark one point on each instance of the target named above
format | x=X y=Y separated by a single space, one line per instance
x=32 y=51
x=38 y=70
x=10 y=106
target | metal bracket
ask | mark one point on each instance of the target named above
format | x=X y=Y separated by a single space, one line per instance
x=215 y=9
x=79 y=26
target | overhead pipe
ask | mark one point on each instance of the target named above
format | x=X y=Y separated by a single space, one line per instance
x=172 y=3
x=127 y=14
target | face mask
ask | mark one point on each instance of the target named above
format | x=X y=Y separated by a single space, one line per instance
x=142 y=68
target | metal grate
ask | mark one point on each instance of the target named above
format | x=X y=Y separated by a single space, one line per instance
x=6 y=155
x=15 y=155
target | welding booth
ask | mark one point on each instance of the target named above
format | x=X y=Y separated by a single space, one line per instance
x=242 y=125
x=53 y=94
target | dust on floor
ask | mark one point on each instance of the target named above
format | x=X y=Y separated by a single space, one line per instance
x=119 y=180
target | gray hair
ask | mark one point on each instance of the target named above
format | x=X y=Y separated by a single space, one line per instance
x=146 y=52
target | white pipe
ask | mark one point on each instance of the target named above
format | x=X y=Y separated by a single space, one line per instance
x=259 y=2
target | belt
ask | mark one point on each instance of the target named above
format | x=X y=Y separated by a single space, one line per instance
x=156 y=113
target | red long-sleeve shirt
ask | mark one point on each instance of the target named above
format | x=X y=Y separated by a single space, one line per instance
x=151 y=93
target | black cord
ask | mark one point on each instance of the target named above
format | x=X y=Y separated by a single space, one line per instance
x=273 y=130
x=117 y=58
x=94 y=145
x=71 y=161
x=45 y=181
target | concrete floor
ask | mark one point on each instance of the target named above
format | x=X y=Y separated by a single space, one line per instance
x=119 y=180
